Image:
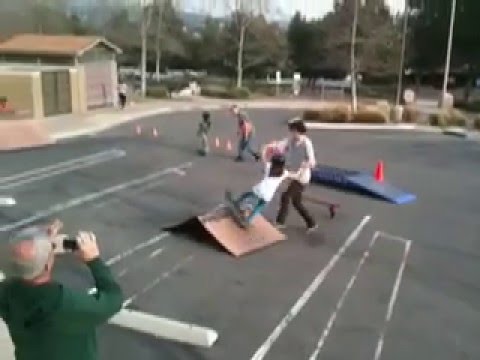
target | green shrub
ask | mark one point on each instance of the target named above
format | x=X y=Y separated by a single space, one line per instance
x=335 y=115
x=222 y=92
x=369 y=117
x=217 y=91
x=158 y=92
x=448 y=118
x=240 y=93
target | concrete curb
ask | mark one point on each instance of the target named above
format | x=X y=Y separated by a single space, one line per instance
x=95 y=129
x=371 y=127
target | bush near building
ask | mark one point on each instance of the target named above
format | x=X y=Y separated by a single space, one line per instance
x=448 y=118
x=342 y=114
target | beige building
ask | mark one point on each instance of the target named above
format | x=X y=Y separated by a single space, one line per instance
x=44 y=75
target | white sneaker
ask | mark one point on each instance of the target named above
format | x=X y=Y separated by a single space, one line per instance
x=312 y=229
x=7 y=201
x=280 y=226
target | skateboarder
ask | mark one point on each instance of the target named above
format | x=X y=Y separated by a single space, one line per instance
x=203 y=130
x=262 y=193
x=246 y=132
x=299 y=154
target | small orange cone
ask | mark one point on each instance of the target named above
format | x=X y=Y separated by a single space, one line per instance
x=379 y=172
x=229 y=146
x=138 y=130
x=217 y=142
x=155 y=132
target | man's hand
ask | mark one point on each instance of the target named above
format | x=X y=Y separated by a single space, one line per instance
x=87 y=246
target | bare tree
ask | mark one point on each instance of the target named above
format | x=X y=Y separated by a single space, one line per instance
x=244 y=12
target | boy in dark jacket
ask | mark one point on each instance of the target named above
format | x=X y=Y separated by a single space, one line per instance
x=203 y=130
x=45 y=319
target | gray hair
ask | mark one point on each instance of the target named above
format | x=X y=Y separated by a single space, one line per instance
x=28 y=268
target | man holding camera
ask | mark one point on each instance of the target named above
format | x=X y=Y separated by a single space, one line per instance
x=46 y=320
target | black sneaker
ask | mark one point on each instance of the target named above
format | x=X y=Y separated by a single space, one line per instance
x=257 y=157
x=238 y=159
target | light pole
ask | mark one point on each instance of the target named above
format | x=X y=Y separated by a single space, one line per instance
x=449 y=53
x=353 y=72
x=402 y=56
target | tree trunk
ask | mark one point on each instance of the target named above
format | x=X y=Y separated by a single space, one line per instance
x=353 y=70
x=241 y=46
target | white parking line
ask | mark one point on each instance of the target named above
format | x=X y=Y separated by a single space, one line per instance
x=319 y=279
x=41 y=173
x=394 y=295
x=163 y=276
x=152 y=256
x=141 y=189
x=342 y=299
x=154 y=240
x=92 y=197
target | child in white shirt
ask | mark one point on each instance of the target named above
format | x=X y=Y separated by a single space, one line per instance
x=262 y=193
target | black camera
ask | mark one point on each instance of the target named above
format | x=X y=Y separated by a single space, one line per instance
x=70 y=244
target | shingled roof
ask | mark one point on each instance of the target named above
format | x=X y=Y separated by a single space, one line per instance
x=67 y=45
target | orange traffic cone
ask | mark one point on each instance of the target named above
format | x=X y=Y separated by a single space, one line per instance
x=229 y=146
x=155 y=132
x=379 y=172
x=138 y=130
x=217 y=142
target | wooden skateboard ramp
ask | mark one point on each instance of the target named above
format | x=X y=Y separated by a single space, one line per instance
x=236 y=240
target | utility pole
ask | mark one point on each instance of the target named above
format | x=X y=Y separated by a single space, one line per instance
x=353 y=70
x=446 y=74
x=402 y=56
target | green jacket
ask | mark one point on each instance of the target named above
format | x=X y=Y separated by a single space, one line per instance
x=52 y=322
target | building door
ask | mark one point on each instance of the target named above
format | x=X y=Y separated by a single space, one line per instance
x=98 y=79
x=56 y=91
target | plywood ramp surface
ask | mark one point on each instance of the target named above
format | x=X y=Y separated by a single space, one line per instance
x=236 y=240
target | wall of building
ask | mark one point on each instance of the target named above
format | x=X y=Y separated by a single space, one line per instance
x=18 y=89
x=100 y=53
x=37 y=59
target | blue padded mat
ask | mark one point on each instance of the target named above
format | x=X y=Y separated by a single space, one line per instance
x=360 y=182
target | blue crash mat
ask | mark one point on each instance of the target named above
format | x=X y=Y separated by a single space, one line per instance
x=362 y=182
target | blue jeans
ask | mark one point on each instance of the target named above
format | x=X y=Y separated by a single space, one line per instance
x=245 y=144
x=257 y=203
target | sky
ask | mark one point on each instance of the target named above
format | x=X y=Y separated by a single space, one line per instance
x=318 y=8
x=286 y=8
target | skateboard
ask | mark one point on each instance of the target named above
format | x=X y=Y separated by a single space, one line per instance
x=332 y=207
x=234 y=210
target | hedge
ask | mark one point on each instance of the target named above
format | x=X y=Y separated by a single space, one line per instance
x=448 y=118
x=340 y=115
x=158 y=92
x=336 y=115
x=410 y=114
x=476 y=123
x=369 y=117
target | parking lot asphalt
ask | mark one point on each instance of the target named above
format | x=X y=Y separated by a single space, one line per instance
x=378 y=281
